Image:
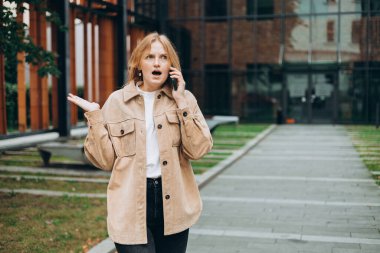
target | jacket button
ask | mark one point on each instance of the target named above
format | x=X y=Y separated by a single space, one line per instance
x=184 y=114
x=122 y=131
x=159 y=126
x=164 y=162
x=167 y=197
x=159 y=96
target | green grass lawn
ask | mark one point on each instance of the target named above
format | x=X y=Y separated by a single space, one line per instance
x=30 y=223
x=366 y=140
x=227 y=139
x=52 y=185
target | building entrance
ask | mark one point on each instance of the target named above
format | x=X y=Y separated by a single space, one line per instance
x=311 y=97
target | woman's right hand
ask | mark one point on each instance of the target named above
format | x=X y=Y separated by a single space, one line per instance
x=82 y=103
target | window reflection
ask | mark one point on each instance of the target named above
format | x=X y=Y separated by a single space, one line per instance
x=352 y=96
x=352 y=38
x=297 y=37
x=263 y=9
x=326 y=6
x=324 y=38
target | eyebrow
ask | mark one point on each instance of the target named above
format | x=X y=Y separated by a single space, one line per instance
x=153 y=54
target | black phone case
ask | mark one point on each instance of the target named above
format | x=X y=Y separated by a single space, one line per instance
x=174 y=84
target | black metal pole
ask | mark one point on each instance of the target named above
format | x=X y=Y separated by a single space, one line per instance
x=122 y=43
x=63 y=48
x=162 y=12
x=377 y=114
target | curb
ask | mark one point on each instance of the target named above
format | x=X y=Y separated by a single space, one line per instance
x=34 y=139
x=107 y=245
x=55 y=171
x=54 y=193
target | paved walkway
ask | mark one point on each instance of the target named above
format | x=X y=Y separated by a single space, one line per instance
x=302 y=189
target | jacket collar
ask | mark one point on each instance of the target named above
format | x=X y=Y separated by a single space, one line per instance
x=130 y=91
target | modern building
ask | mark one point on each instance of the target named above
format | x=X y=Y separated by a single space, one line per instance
x=309 y=61
x=313 y=61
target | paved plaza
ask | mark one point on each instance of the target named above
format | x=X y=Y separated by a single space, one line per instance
x=302 y=189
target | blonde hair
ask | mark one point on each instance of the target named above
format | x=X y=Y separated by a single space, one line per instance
x=143 y=46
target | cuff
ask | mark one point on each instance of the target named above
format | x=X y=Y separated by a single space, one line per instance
x=94 y=117
x=184 y=114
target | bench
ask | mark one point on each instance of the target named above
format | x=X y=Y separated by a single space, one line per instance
x=376 y=174
x=76 y=151
x=219 y=120
x=69 y=150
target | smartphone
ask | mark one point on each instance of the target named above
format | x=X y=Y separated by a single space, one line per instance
x=174 y=83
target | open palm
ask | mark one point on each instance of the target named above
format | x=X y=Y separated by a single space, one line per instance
x=82 y=103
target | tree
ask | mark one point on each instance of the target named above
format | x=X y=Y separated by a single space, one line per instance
x=14 y=38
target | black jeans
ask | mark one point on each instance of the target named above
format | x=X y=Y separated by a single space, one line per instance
x=157 y=242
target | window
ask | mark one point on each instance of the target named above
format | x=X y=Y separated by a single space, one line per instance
x=356 y=31
x=262 y=8
x=217 y=90
x=146 y=8
x=375 y=5
x=216 y=8
x=331 y=2
x=370 y=5
x=330 y=31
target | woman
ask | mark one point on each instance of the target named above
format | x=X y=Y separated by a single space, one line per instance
x=145 y=134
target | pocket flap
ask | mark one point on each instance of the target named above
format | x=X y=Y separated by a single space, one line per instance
x=121 y=128
x=172 y=117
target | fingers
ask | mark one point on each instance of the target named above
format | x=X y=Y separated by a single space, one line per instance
x=71 y=98
x=77 y=100
x=83 y=103
x=74 y=99
x=175 y=73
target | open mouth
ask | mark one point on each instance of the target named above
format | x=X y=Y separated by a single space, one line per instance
x=156 y=73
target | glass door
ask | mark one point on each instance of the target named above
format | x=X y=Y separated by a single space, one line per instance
x=311 y=97
x=322 y=97
x=296 y=97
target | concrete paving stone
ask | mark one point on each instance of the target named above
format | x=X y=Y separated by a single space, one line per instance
x=318 y=247
x=298 y=180
x=323 y=230
x=291 y=246
x=212 y=244
x=370 y=247
x=287 y=228
x=260 y=157
x=373 y=235
x=325 y=152
x=301 y=216
x=344 y=250
x=332 y=191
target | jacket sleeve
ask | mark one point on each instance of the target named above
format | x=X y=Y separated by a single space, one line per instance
x=195 y=134
x=97 y=146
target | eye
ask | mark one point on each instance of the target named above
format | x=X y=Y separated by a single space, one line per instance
x=149 y=56
x=164 y=57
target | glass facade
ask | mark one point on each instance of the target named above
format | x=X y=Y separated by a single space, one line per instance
x=316 y=61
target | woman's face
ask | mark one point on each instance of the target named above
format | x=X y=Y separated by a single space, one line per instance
x=155 y=67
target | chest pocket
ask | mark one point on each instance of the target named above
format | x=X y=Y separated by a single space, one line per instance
x=123 y=137
x=174 y=127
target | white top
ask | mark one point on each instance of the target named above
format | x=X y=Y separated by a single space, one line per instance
x=153 y=169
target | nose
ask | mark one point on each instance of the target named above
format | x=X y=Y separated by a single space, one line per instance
x=156 y=62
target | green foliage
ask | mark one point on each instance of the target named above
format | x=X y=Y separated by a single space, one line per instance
x=14 y=38
x=11 y=105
